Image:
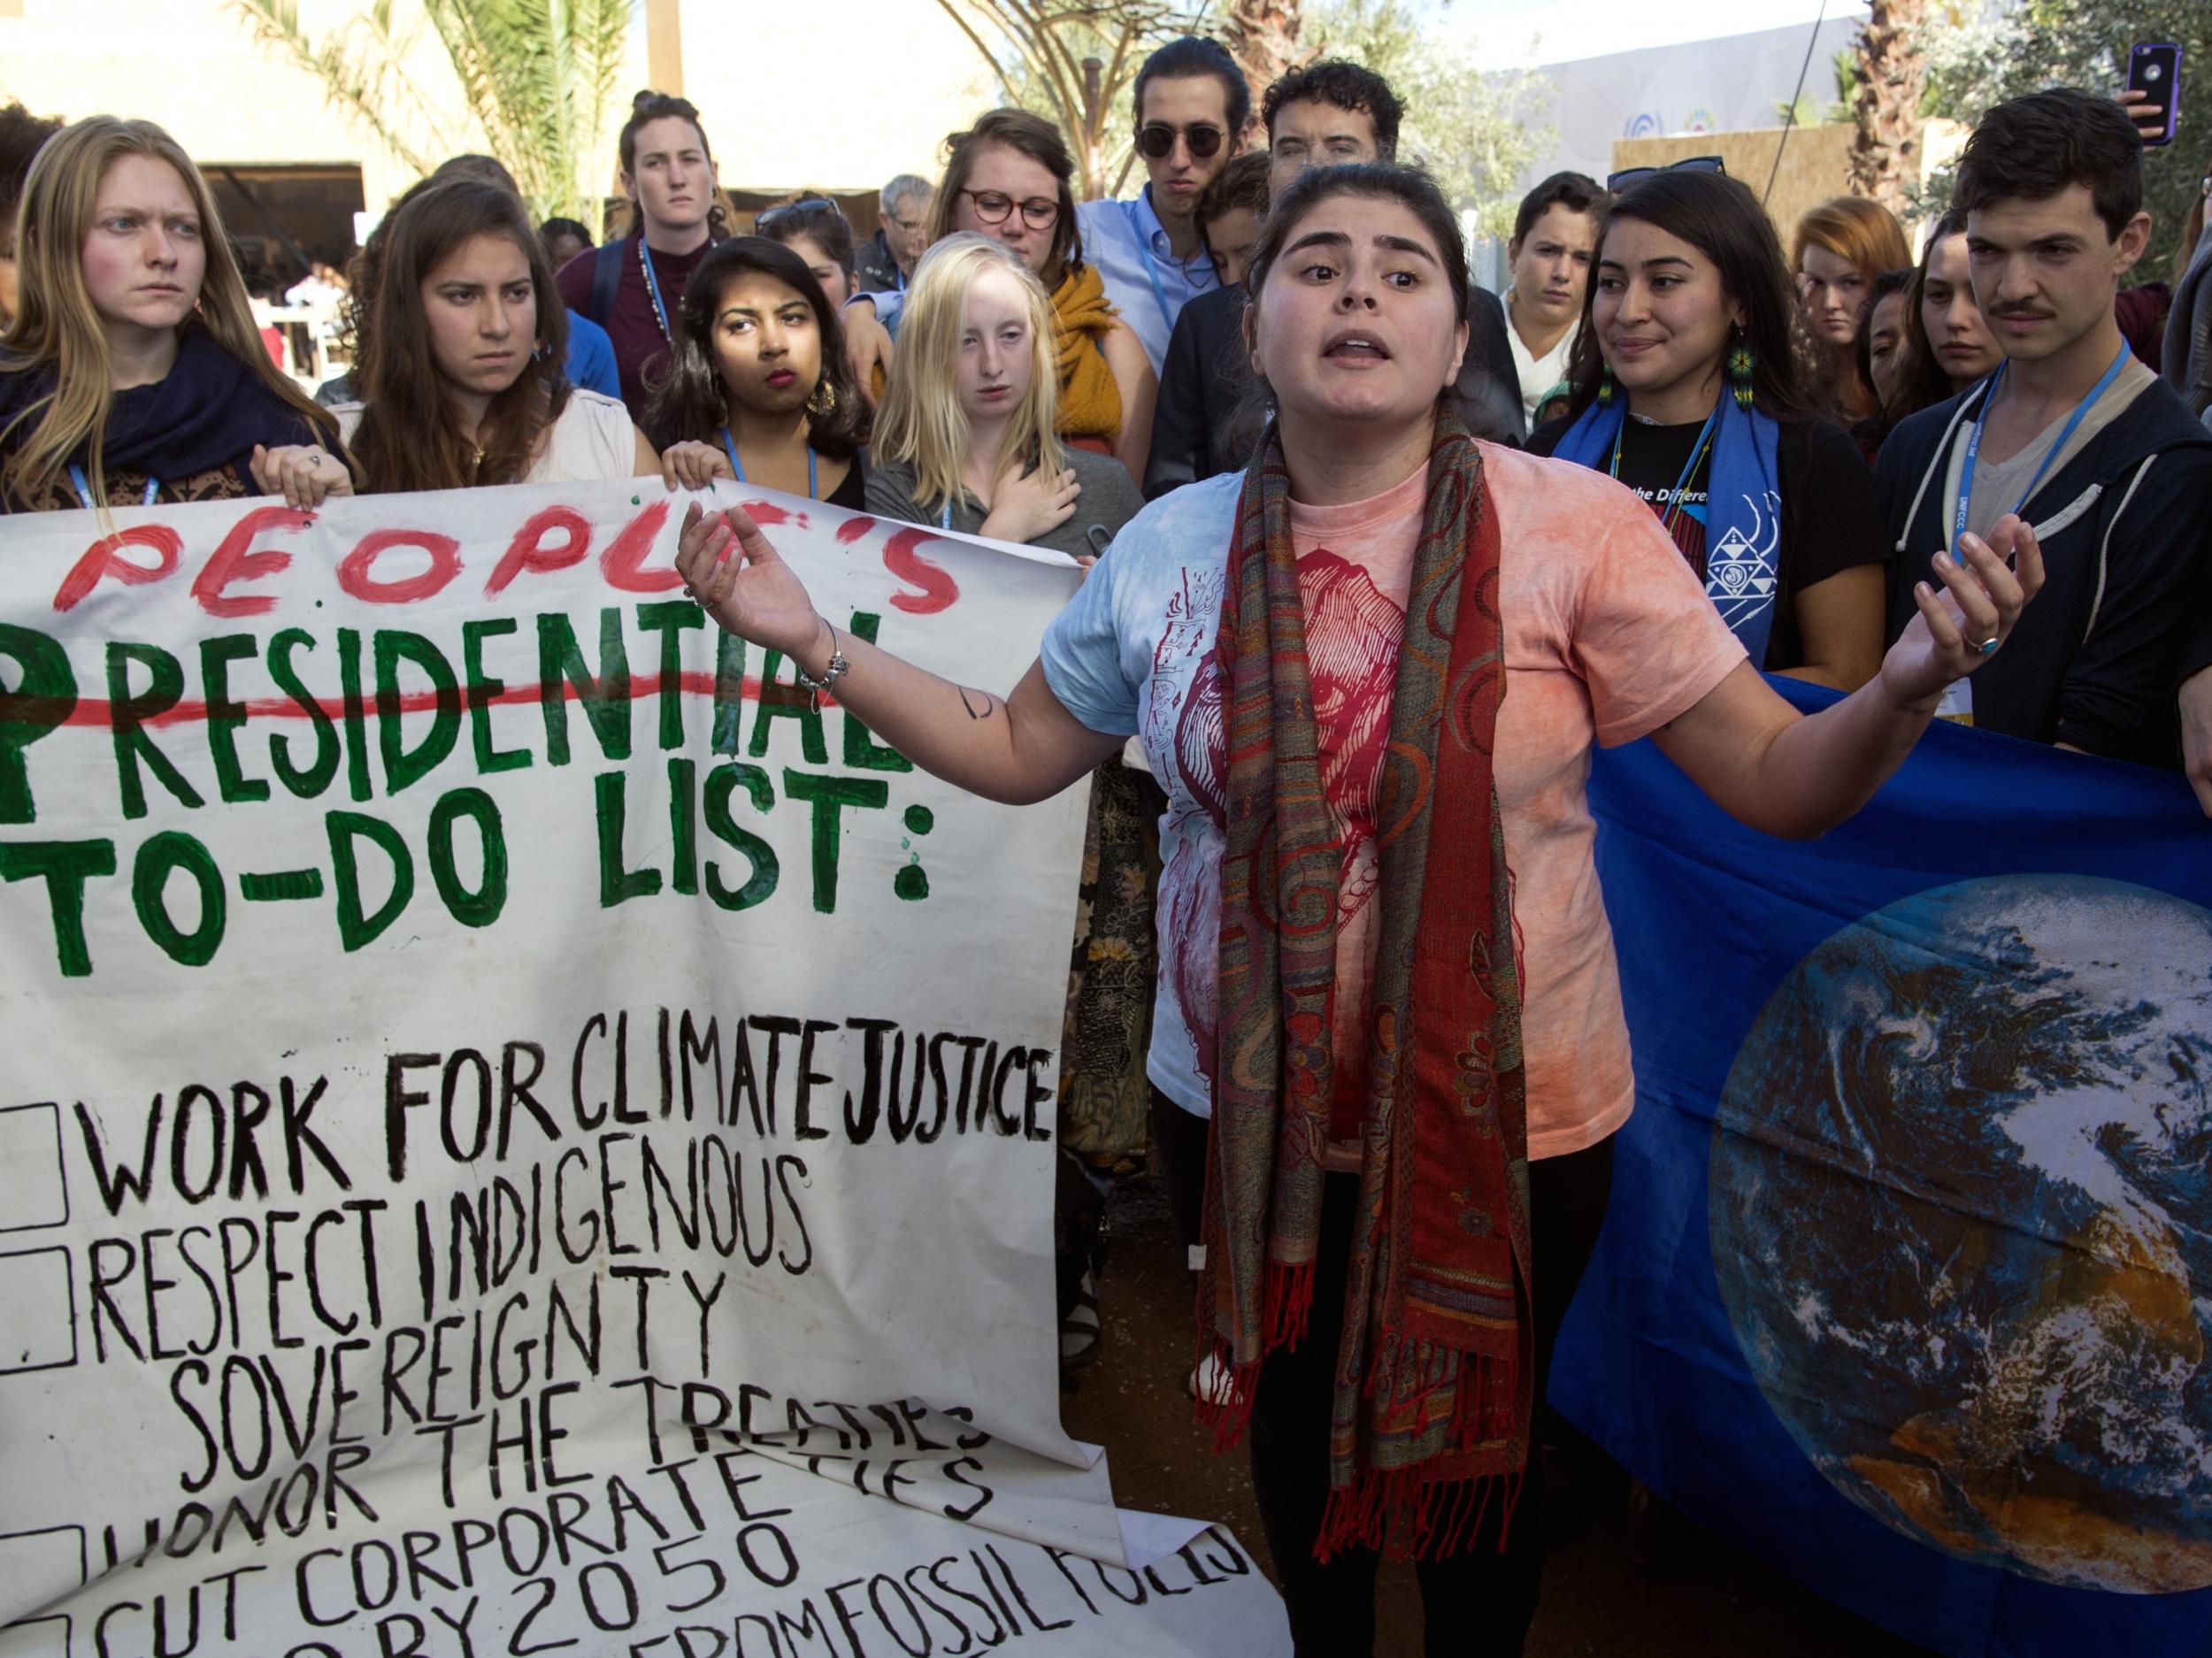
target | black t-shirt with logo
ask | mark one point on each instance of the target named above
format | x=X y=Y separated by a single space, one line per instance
x=1831 y=519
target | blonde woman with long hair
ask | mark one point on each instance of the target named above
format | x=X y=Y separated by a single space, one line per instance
x=133 y=372
x=965 y=438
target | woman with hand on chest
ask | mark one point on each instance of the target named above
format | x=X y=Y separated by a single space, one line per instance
x=968 y=436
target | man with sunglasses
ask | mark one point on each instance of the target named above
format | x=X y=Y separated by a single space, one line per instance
x=1192 y=108
x=1331 y=114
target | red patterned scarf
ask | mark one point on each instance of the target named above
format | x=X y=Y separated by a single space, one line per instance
x=1435 y=1359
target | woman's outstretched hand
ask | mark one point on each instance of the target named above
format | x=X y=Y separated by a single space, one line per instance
x=742 y=582
x=1981 y=601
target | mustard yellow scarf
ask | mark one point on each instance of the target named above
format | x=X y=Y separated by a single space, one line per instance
x=1090 y=401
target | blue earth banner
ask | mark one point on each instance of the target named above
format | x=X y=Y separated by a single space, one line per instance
x=1907 y=1281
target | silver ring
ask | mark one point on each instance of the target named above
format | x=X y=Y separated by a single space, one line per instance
x=1986 y=646
x=689 y=594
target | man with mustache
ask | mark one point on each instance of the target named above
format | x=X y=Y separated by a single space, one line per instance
x=2072 y=432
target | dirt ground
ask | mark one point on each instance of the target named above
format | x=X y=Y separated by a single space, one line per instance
x=1707 y=1600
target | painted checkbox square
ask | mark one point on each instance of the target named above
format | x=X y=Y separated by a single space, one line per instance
x=34 y=1184
x=38 y=1568
x=36 y=1637
x=38 y=1311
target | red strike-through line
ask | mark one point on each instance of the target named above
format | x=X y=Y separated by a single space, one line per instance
x=99 y=711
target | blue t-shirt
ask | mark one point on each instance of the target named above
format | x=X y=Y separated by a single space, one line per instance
x=1133 y=654
x=591 y=358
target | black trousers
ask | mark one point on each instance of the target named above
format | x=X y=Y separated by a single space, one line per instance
x=1480 y=1602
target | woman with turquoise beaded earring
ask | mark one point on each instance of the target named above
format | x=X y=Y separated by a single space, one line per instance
x=1691 y=386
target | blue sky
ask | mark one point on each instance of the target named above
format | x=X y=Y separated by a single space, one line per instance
x=1580 y=28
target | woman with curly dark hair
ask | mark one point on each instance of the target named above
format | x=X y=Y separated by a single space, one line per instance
x=757 y=388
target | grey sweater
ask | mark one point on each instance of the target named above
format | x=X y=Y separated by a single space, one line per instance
x=1109 y=500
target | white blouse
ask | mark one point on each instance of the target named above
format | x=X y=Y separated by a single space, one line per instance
x=592 y=439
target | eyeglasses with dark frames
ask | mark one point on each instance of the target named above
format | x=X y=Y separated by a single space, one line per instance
x=994 y=207
x=1156 y=139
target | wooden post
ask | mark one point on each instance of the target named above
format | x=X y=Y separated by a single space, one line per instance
x=664 y=46
x=1093 y=128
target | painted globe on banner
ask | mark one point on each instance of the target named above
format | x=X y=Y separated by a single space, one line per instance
x=1960 y=1211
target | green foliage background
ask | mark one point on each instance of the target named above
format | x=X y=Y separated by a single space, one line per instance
x=1974 y=62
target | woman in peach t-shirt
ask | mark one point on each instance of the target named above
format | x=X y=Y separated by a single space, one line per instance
x=1410 y=1043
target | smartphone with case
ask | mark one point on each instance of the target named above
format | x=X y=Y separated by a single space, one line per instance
x=2154 y=70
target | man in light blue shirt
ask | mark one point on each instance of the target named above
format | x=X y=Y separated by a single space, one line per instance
x=1193 y=105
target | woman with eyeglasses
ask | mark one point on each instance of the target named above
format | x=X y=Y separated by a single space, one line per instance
x=757 y=388
x=1689 y=387
x=1837 y=251
x=1009 y=178
x=816 y=230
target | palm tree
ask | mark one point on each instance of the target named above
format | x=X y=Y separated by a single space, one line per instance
x=1072 y=61
x=1891 y=75
x=537 y=79
x=1263 y=37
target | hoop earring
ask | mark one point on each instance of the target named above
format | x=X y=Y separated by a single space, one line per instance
x=1742 y=363
x=1605 y=387
x=823 y=402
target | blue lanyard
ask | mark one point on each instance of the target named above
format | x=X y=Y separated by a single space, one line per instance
x=653 y=291
x=1974 y=440
x=813 y=491
x=84 y=489
x=944 y=518
x=1674 y=507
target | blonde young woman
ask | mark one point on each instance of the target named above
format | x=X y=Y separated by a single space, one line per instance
x=132 y=372
x=1010 y=178
x=967 y=437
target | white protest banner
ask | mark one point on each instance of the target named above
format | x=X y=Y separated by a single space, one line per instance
x=518 y=1132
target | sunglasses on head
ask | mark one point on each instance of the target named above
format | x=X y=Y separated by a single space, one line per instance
x=812 y=205
x=1618 y=182
x=1156 y=139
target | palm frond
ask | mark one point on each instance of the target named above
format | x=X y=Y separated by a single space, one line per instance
x=362 y=75
x=537 y=80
